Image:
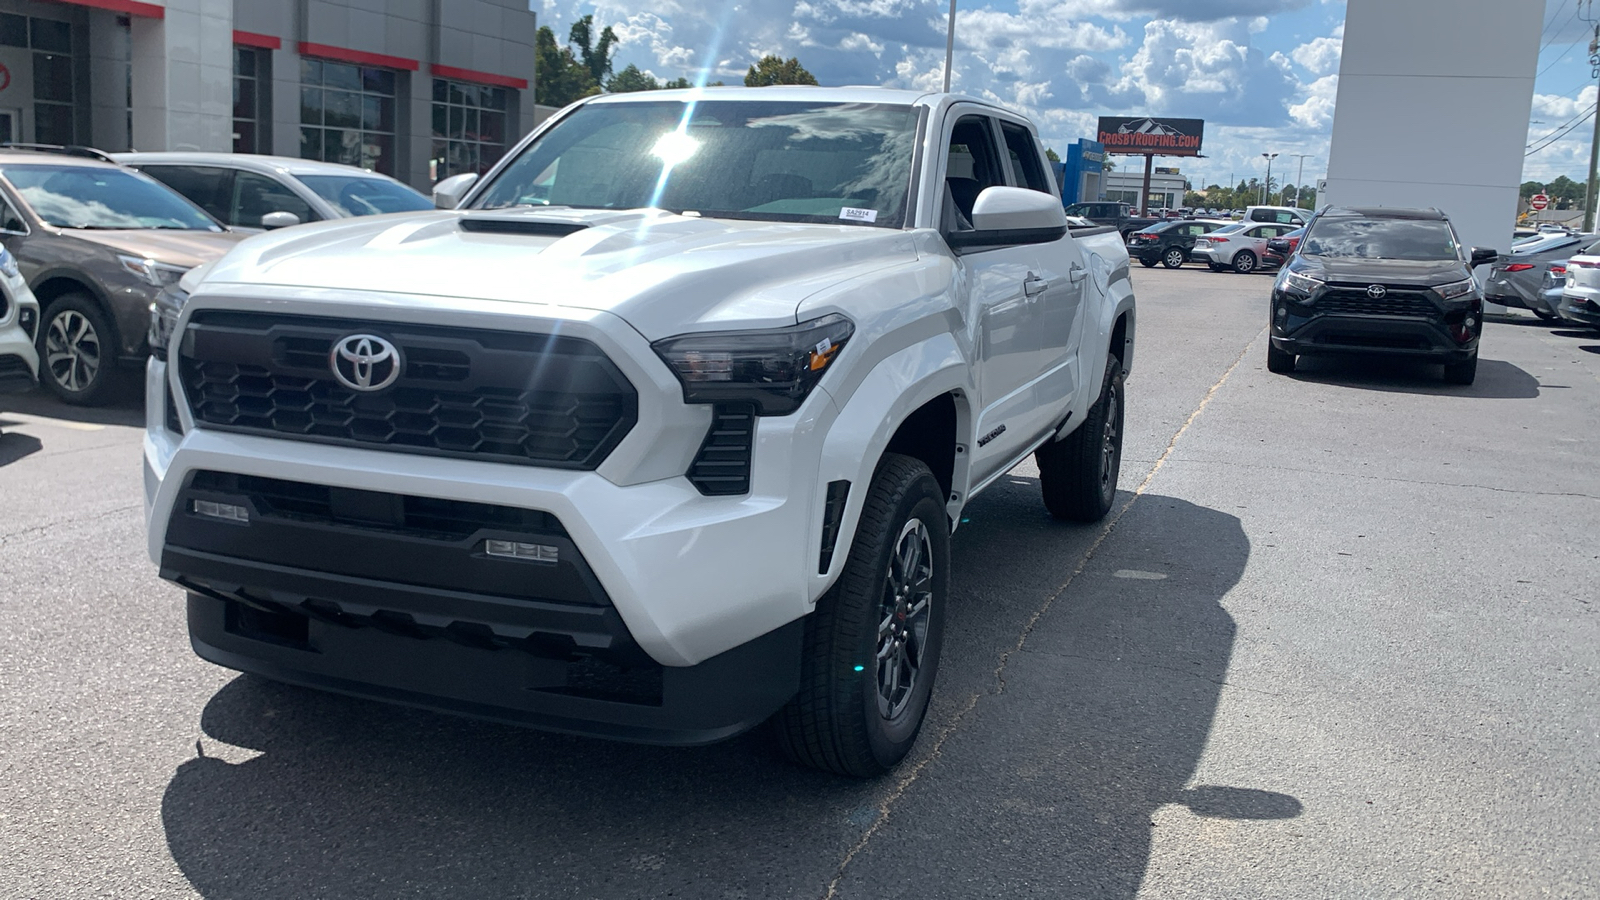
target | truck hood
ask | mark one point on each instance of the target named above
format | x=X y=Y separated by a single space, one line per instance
x=663 y=273
x=173 y=247
x=1423 y=273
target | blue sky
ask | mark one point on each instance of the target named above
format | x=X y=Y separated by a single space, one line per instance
x=1262 y=73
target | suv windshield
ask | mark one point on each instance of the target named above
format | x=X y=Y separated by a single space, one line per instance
x=97 y=197
x=356 y=195
x=1415 y=239
x=782 y=161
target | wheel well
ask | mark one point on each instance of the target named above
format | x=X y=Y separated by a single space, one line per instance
x=47 y=291
x=929 y=434
x=1119 y=339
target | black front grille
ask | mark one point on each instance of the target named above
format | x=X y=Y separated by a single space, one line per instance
x=722 y=466
x=1350 y=301
x=504 y=396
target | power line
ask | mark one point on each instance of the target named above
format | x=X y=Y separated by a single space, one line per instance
x=1553 y=138
x=1554 y=34
x=1557 y=59
x=1562 y=125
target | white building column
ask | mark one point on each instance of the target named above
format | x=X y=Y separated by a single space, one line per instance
x=183 y=77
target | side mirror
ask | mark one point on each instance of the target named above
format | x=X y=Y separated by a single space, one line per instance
x=1278 y=245
x=279 y=219
x=1482 y=256
x=448 y=193
x=1006 y=216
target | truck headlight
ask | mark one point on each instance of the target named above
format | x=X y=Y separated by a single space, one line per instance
x=1455 y=289
x=157 y=275
x=164 y=318
x=774 y=369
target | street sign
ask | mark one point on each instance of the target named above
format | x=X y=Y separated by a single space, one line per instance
x=1538 y=201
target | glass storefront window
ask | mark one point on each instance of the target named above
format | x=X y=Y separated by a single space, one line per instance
x=469 y=127
x=251 y=84
x=347 y=114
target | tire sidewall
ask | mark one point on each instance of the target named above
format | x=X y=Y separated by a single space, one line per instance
x=891 y=739
x=90 y=310
x=1239 y=262
x=1167 y=259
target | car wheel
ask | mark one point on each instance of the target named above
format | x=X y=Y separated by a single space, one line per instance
x=77 y=357
x=1279 y=361
x=1217 y=268
x=1173 y=258
x=1244 y=262
x=1463 y=372
x=872 y=644
x=1078 y=474
x=1147 y=263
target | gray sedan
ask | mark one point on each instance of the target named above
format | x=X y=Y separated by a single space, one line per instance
x=1517 y=278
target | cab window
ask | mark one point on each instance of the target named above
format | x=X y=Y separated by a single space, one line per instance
x=973 y=165
x=1025 y=158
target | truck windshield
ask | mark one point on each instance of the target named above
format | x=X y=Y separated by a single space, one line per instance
x=1414 y=239
x=782 y=161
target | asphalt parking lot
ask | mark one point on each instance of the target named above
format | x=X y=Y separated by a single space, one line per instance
x=1341 y=638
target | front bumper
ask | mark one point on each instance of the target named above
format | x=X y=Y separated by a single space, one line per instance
x=19 y=361
x=1302 y=330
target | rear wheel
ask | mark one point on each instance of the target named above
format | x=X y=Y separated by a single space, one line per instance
x=1078 y=474
x=1147 y=263
x=1464 y=372
x=872 y=645
x=1244 y=262
x=77 y=351
x=1173 y=258
x=1279 y=361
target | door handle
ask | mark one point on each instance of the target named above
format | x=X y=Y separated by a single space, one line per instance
x=1077 y=272
x=1034 y=285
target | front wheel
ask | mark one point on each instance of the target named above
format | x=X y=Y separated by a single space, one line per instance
x=872 y=645
x=1464 y=372
x=77 y=351
x=1173 y=258
x=1078 y=474
x=1244 y=262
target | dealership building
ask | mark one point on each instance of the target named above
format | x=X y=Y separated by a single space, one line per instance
x=417 y=89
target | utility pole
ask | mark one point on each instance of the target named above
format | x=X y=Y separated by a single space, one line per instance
x=949 y=46
x=1299 y=178
x=1266 y=189
x=1594 y=142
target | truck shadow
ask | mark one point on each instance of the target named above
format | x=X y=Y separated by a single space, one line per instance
x=1496 y=380
x=1103 y=720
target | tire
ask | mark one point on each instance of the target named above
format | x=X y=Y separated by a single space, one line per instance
x=1217 y=268
x=854 y=714
x=1078 y=474
x=77 y=351
x=1464 y=372
x=1147 y=263
x=1174 y=258
x=1244 y=262
x=1279 y=361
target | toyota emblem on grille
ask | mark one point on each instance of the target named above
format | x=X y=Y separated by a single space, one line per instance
x=365 y=362
x=1377 y=291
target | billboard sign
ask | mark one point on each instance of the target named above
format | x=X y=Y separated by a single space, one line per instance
x=1145 y=134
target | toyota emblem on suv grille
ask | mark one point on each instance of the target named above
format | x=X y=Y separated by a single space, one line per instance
x=365 y=362
x=1376 y=291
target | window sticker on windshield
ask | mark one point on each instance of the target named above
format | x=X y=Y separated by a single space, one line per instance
x=851 y=214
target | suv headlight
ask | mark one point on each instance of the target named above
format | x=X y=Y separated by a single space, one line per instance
x=164 y=318
x=157 y=275
x=774 y=369
x=8 y=264
x=1455 y=289
x=1303 y=284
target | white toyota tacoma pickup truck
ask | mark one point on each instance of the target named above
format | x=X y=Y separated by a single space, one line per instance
x=660 y=434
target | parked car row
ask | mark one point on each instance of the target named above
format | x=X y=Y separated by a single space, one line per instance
x=91 y=239
x=1222 y=244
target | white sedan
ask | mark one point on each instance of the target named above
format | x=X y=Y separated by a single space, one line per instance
x=1239 y=246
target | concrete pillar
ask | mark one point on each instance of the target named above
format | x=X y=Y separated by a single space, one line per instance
x=183 y=77
x=1432 y=110
x=108 y=76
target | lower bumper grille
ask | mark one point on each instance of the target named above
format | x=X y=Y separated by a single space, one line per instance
x=1395 y=303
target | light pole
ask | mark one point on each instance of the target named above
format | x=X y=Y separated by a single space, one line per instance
x=1299 y=178
x=949 y=46
x=1266 y=189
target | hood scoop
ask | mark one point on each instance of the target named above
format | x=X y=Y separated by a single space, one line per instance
x=520 y=225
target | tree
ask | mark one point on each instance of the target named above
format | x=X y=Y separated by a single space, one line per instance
x=1529 y=188
x=1050 y=154
x=775 y=70
x=1565 y=192
x=562 y=78
x=631 y=79
x=596 y=57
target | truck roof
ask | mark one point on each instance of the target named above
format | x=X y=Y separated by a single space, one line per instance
x=861 y=94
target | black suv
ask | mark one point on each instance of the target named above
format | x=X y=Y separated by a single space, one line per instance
x=1168 y=242
x=1379 y=280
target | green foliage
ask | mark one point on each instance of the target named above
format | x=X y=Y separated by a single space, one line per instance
x=596 y=56
x=776 y=70
x=562 y=78
x=1050 y=154
x=631 y=79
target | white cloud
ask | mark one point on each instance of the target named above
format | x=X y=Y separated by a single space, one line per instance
x=1319 y=56
x=1316 y=111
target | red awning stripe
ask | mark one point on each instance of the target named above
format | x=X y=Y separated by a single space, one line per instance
x=127 y=7
x=359 y=57
x=262 y=41
x=520 y=84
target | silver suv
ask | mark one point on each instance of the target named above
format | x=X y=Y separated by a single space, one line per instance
x=96 y=241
